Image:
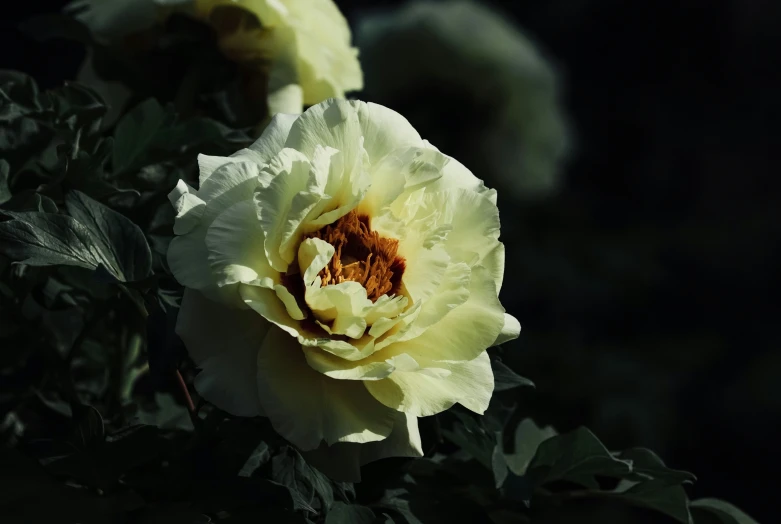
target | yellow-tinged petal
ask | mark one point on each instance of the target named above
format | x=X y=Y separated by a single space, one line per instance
x=308 y=408
x=313 y=255
x=421 y=394
x=510 y=330
x=188 y=256
x=456 y=175
x=288 y=174
x=235 y=244
x=340 y=124
x=473 y=221
x=464 y=331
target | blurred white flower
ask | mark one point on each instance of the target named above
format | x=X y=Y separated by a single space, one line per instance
x=466 y=48
x=301 y=47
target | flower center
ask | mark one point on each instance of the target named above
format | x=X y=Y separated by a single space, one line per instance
x=361 y=255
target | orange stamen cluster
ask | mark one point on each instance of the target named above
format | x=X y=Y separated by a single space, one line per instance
x=361 y=255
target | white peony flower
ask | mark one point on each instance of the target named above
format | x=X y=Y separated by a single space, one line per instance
x=341 y=279
x=465 y=49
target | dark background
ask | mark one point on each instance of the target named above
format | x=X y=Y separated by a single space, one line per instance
x=646 y=286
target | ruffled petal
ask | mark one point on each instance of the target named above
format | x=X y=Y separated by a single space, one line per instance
x=188 y=256
x=384 y=130
x=433 y=390
x=510 y=330
x=235 y=244
x=456 y=175
x=188 y=206
x=341 y=123
x=494 y=263
x=224 y=343
x=466 y=330
x=288 y=174
x=230 y=183
x=373 y=367
x=307 y=407
x=426 y=260
x=473 y=221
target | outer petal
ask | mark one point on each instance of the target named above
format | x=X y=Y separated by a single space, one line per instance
x=343 y=461
x=224 y=343
x=465 y=331
x=494 y=263
x=273 y=138
x=340 y=124
x=235 y=244
x=510 y=330
x=456 y=175
x=187 y=254
x=188 y=206
x=384 y=130
x=306 y=407
x=450 y=354
x=474 y=222
x=469 y=383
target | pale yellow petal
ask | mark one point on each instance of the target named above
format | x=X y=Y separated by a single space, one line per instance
x=308 y=408
x=288 y=174
x=473 y=221
x=510 y=330
x=235 y=244
x=313 y=255
x=464 y=331
x=421 y=394
x=340 y=123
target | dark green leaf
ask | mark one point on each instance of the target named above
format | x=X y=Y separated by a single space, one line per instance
x=88 y=426
x=646 y=464
x=576 y=457
x=528 y=437
x=121 y=245
x=660 y=496
x=93 y=236
x=715 y=511
x=305 y=483
x=197 y=131
x=259 y=456
x=167 y=415
x=5 y=192
x=499 y=464
x=136 y=132
x=46 y=239
x=29 y=200
x=342 y=513
x=397 y=501
x=505 y=378
x=471 y=436
x=49 y=26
